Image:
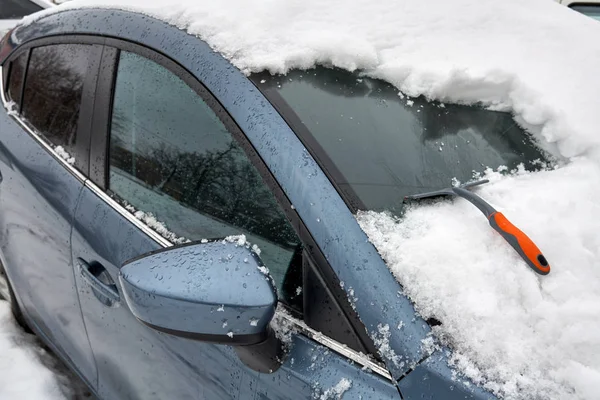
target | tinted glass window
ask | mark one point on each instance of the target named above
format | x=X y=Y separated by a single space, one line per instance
x=589 y=9
x=170 y=155
x=53 y=91
x=15 y=79
x=380 y=146
x=14 y=9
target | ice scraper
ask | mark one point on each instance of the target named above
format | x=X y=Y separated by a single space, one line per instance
x=522 y=244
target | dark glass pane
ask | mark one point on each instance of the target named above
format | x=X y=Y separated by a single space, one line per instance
x=53 y=91
x=386 y=147
x=15 y=79
x=172 y=156
x=14 y=9
x=590 y=10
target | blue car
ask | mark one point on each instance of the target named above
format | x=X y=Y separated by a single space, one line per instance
x=175 y=229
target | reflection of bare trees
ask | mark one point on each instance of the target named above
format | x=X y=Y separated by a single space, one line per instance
x=53 y=90
x=220 y=183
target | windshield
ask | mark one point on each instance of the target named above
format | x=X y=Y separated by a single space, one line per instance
x=378 y=146
x=15 y=9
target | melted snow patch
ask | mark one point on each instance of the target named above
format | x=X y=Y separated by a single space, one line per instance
x=516 y=333
x=64 y=155
x=11 y=106
x=239 y=240
x=381 y=339
x=337 y=392
x=283 y=326
x=153 y=223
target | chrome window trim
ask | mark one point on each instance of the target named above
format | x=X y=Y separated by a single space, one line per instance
x=299 y=325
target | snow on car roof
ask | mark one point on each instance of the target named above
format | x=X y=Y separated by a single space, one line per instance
x=518 y=334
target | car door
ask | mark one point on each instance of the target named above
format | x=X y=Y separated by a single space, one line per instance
x=44 y=146
x=169 y=166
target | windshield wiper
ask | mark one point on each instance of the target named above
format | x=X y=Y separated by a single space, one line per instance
x=522 y=244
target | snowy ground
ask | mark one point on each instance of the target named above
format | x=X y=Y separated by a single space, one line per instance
x=28 y=370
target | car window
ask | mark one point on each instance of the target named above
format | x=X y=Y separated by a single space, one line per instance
x=15 y=78
x=590 y=10
x=53 y=91
x=172 y=157
x=14 y=9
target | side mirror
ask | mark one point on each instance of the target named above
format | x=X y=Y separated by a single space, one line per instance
x=215 y=292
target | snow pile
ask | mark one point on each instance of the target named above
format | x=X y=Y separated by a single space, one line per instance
x=22 y=375
x=518 y=334
x=513 y=331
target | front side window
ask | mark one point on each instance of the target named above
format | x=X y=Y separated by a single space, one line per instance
x=15 y=78
x=53 y=91
x=171 y=156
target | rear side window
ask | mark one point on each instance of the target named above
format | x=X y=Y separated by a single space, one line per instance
x=14 y=9
x=53 y=91
x=15 y=79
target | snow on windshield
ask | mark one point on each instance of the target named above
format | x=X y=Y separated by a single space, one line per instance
x=516 y=333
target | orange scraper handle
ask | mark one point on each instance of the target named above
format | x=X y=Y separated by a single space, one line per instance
x=520 y=242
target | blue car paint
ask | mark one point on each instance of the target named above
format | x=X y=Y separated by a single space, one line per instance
x=213 y=288
x=429 y=381
x=37 y=199
x=135 y=361
x=353 y=258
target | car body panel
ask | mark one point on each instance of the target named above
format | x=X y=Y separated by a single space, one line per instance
x=137 y=362
x=37 y=199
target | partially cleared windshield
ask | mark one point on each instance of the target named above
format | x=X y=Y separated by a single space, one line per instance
x=379 y=146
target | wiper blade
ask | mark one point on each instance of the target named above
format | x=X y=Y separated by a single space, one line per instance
x=519 y=241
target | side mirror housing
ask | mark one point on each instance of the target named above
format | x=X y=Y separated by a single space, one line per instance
x=216 y=292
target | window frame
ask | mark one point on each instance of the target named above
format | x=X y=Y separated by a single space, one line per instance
x=81 y=152
x=99 y=165
x=10 y=63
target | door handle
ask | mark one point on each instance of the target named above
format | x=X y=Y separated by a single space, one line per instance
x=90 y=274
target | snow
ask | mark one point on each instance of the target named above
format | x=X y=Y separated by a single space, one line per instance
x=27 y=371
x=514 y=332
x=64 y=155
x=337 y=392
x=518 y=334
x=381 y=339
x=11 y=108
x=283 y=326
